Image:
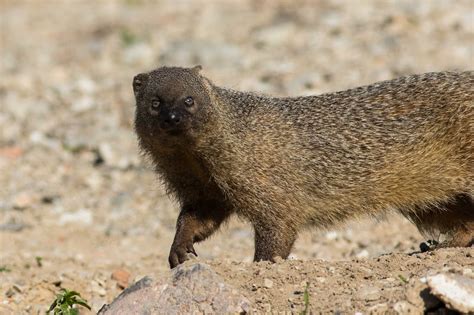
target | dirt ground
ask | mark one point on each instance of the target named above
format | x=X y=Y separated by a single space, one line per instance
x=78 y=204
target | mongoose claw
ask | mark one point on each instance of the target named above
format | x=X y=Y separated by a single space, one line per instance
x=428 y=245
x=179 y=254
x=192 y=250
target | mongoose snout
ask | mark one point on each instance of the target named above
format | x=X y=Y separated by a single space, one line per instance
x=284 y=164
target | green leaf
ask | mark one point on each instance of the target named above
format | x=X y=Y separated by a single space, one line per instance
x=4 y=269
x=306 y=300
x=53 y=305
x=39 y=261
x=402 y=278
x=65 y=302
x=83 y=303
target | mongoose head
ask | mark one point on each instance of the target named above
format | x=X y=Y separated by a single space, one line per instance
x=172 y=104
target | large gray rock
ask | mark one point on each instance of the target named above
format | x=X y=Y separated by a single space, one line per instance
x=192 y=288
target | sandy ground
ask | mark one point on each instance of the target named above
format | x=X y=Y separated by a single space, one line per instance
x=76 y=201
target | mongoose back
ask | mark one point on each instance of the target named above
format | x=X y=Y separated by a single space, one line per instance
x=288 y=163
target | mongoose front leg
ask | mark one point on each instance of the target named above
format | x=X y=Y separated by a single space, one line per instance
x=273 y=241
x=195 y=223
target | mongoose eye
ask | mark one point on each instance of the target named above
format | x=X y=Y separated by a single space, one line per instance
x=189 y=101
x=155 y=103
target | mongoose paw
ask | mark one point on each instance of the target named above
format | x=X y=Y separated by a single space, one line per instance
x=179 y=254
x=428 y=245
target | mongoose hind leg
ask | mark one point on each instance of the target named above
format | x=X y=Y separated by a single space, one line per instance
x=195 y=223
x=454 y=219
x=272 y=241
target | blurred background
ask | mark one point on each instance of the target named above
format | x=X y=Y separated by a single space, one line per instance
x=76 y=201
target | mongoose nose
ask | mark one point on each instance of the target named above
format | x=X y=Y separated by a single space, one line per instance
x=170 y=121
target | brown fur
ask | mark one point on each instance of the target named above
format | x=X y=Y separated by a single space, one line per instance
x=287 y=163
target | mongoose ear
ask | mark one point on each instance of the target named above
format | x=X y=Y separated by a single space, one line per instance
x=139 y=82
x=197 y=68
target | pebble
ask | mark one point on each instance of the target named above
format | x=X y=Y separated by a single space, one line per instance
x=403 y=307
x=13 y=226
x=11 y=152
x=97 y=288
x=82 y=216
x=23 y=201
x=368 y=293
x=86 y=85
x=267 y=283
x=83 y=104
x=122 y=277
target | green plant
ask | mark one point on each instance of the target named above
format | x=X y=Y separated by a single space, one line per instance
x=65 y=302
x=4 y=269
x=402 y=279
x=306 y=300
x=128 y=38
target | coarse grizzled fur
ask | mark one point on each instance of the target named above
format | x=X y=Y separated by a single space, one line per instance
x=287 y=163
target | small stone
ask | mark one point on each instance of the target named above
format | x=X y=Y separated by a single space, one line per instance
x=321 y=279
x=122 y=277
x=82 y=216
x=368 y=293
x=11 y=152
x=23 y=201
x=83 y=104
x=97 y=288
x=403 y=307
x=86 y=85
x=13 y=226
x=363 y=254
x=456 y=291
x=267 y=283
x=378 y=309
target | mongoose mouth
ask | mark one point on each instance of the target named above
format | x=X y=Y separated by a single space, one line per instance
x=175 y=132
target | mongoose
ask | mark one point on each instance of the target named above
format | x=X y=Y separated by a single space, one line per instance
x=287 y=163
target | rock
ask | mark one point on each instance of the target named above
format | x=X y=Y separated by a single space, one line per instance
x=456 y=291
x=267 y=283
x=378 y=309
x=11 y=153
x=83 y=104
x=122 y=277
x=98 y=288
x=192 y=288
x=85 y=85
x=368 y=293
x=403 y=307
x=23 y=201
x=13 y=226
x=83 y=216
